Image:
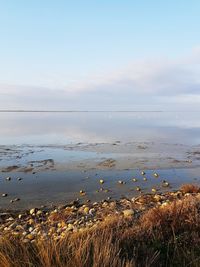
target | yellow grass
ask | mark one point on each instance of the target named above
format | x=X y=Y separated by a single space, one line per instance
x=163 y=236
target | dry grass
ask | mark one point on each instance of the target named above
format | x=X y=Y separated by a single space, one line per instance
x=162 y=236
x=189 y=188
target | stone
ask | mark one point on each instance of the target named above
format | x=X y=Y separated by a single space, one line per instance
x=128 y=213
x=39 y=212
x=32 y=211
x=8 y=178
x=101 y=181
x=31 y=221
x=86 y=210
x=30 y=236
x=4 y=195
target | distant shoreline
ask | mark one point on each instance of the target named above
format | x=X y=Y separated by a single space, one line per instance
x=73 y=111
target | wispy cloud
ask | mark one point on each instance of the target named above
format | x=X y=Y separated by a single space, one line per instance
x=161 y=83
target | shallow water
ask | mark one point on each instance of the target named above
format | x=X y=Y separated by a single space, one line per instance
x=90 y=127
x=58 y=154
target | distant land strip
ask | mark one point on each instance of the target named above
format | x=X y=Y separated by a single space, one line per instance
x=73 y=111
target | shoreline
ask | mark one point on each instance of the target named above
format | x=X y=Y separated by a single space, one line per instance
x=74 y=216
x=157 y=227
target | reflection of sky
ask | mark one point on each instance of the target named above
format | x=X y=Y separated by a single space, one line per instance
x=64 y=128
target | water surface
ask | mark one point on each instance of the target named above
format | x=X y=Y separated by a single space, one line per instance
x=58 y=154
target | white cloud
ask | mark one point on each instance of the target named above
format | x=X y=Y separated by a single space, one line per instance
x=152 y=83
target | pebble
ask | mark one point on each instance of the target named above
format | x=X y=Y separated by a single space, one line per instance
x=156 y=174
x=134 y=180
x=143 y=173
x=101 y=181
x=4 y=195
x=8 y=178
x=30 y=237
x=121 y=182
x=32 y=211
x=86 y=210
x=165 y=183
x=39 y=212
x=128 y=213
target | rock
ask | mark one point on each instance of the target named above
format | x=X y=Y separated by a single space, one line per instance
x=19 y=178
x=134 y=180
x=121 y=182
x=4 y=195
x=165 y=183
x=154 y=190
x=31 y=221
x=70 y=226
x=86 y=210
x=30 y=237
x=143 y=173
x=30 y=229
x=157 y=198
x=101 y=181
x=92 y=211
x=39 y=212
x=8 y=178
x=145 y=179
x=128 y=213
x=138 y=188
x=32 y=211
x=156 y=174
x=10 y=219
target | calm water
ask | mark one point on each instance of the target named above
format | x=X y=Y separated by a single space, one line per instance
x=51 y=186
x=64 y=128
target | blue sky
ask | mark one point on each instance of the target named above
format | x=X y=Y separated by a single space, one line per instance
x=99 y=54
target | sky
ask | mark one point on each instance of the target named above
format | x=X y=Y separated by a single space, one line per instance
x=100 y=55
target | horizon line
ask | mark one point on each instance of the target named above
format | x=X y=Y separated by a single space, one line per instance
x=65 y=111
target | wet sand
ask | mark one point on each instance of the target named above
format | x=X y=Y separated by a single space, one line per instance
x=53 y=174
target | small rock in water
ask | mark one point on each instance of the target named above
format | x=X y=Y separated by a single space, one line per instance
x=19 y=178
x=165 y=183
x=145 y=179
x=101 y=181
x=121 y=182
x=16 y=199
x=138 y=188
x=154 y=190
x=134 y=180
x=156 y=174
x=143 y=173
x=4 y=195
x=8 y=178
